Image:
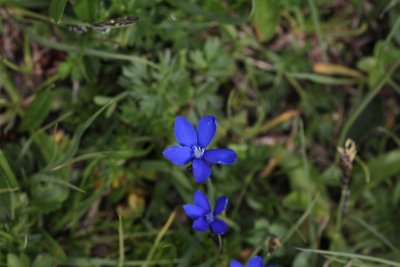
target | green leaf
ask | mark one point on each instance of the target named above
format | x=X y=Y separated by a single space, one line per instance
x=296 y=200
x=57 y=9
x=266 y=18
x=48 y=196
x=102 y=100
x=37 y=111
x=384 y=166
x=86 y=10
x=44 y=260
x=301 y=259
x=367 y=64
x=15 y=261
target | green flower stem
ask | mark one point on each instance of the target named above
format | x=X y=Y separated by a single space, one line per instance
x=210 y=188
x=371 y=94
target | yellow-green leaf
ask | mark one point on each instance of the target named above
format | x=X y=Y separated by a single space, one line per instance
x=266 y=18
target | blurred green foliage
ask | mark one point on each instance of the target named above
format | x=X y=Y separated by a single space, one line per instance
x=85 y=113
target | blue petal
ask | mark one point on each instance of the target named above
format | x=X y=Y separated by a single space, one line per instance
x=201 y=200
x=235 y=264
x=220 y=206
x=193 y=211
x=220 y=156
x=256 y=261
x=200 y=224
x=206 y=129
x=219 y=227
x=184 y=132
x=179 y=155
x=201 y=170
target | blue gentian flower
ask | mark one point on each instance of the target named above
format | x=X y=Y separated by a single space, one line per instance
x=256 y=261
x=192 y=147
x=204 y=218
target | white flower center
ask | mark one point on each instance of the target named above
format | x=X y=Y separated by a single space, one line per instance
x=198 y=152
x=209 y=217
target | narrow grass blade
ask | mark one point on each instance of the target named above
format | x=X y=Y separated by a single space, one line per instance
x=160 y=235
x=76 y=139
x=393 y=31
x=317 y=28
x=300 y=221
x=57 y=9
x=8 y=85
x=105 y=154
x=274 y=122
x=351 y=256
x=365 y=169
x=6 y=170
x=71 y=262
x=322 y=79
x=8 y=190
x=55 y=180
x=9 y=181
x=88 y=51
x=368 y=98
x=335 y=69
x=187 y=256
x=121 y=258
x=375 y=232
x=28 y=143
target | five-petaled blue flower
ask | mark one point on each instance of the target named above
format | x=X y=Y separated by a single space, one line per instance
x=256 y=261
x=204 y=218
x=193 y=147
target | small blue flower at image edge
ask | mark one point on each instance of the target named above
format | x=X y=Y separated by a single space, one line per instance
x=204 y=218
x=192 y=147
x=256 y=261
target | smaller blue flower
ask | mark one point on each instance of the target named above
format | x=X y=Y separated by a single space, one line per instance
x=193 y=144
x=204 y=218
x=256 y=261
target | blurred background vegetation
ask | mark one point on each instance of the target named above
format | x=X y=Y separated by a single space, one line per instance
x=86 y=109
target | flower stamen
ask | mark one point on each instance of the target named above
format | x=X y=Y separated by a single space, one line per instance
x=198 y=152
x=209 y=217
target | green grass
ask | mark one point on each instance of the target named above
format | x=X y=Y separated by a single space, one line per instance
x=84 y=119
